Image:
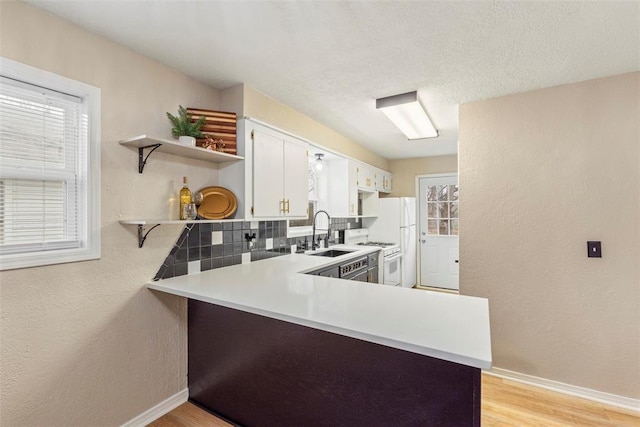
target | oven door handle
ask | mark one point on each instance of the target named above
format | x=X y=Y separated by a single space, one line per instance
x=392 y=258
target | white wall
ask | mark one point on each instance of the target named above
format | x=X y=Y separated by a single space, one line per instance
x=541 y=173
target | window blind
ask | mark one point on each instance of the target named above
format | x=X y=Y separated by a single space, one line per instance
x=43 y=136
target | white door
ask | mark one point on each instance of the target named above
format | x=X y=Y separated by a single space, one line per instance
x=438 y=234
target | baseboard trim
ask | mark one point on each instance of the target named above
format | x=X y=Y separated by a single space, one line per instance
x=159 y=410
x=585 y=393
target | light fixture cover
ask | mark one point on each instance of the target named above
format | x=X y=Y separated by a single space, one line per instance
x=408 y=114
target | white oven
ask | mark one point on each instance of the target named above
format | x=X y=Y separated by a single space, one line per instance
x=392 y=269
x=390 y=261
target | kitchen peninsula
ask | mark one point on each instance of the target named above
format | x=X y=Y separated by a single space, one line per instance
x=270 y=345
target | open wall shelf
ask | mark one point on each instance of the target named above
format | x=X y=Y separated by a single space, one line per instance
x=168 y=146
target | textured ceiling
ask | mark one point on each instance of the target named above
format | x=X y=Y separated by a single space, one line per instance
x=331 y=60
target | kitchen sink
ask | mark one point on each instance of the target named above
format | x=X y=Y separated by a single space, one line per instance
x=331 y=253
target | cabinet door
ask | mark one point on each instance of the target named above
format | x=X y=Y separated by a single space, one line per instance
x=372 y=275
x=268 y=178
x=365 y=180
x=296 y=179
x=353 y=188
x=386 y=182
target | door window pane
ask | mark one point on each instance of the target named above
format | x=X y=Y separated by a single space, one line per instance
x=443 y=210
x=454 y=227
x=453 y=192
x=443 y=227
x=432 y=226
x=442 y=192
x=431 y=193
x=453 y=210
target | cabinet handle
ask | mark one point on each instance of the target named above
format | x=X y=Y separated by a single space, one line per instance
x=287 y=206
x=282 y=205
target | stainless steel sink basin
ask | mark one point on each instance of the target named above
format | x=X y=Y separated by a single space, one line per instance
x=331 y=253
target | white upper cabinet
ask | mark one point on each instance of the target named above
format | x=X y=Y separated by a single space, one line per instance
x=365 y=177
x=279 y=174
x=382 y=181
x=296 y=179
x=343 y=191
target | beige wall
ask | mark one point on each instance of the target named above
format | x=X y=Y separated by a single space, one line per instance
x=85 y=343
x=541 y=173
x=264 y=108
x=405 y=171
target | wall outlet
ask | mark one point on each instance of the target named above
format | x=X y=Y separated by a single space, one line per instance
x=594 y=249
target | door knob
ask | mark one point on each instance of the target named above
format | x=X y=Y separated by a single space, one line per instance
x=423 y=241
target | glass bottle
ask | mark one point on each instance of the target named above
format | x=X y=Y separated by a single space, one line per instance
x=185 y=198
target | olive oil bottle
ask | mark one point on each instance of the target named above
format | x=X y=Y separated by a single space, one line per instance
x=185 y=198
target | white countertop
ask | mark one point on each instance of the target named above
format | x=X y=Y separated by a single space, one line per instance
x=441 y=325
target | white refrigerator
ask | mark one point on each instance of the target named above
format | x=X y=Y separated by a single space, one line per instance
x=396 y=223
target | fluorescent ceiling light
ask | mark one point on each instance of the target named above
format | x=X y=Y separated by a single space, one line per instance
x=408 y=114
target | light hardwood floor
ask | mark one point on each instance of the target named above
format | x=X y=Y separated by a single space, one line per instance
x=504 y=403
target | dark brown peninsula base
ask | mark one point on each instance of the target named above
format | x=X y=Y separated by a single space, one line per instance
x=258 y=371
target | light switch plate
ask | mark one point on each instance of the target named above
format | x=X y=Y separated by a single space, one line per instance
x=594 y=249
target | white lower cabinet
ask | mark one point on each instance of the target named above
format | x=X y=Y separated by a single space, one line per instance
x=280 y=183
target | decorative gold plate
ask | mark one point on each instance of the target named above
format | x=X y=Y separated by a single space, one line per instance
x=217 y=203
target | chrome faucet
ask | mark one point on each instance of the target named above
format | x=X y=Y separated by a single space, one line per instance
x=313 y=236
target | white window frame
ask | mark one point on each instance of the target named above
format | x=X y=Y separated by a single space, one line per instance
x=90 y=234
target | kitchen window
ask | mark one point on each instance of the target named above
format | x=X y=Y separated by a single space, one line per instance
x=49 y=168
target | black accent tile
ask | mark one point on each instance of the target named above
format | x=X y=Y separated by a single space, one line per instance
x=183 y=237
x=194 y=254
x=170 y=260
x=216 y=251
x=227 y=237
x=262 y=225
x=205 y=252
x=237 y=225
x=246 y=225
x=227 y=226
x=216 y=262
x=227 y=249
x=194 y=239
x=262 y=233
x=168 y=272
x=180 y=269
x=181 y=255
x=206 y=228
x=237 y=259
x=205 y=237
x=227 y=261
x=205 y=264
x=245 y=247
x=216 y=226
x=237 y=248
x=237 y=236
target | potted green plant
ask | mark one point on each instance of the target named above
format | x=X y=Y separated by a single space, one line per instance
x=184 y=128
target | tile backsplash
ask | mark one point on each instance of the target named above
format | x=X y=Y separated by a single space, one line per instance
x=204 y=246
